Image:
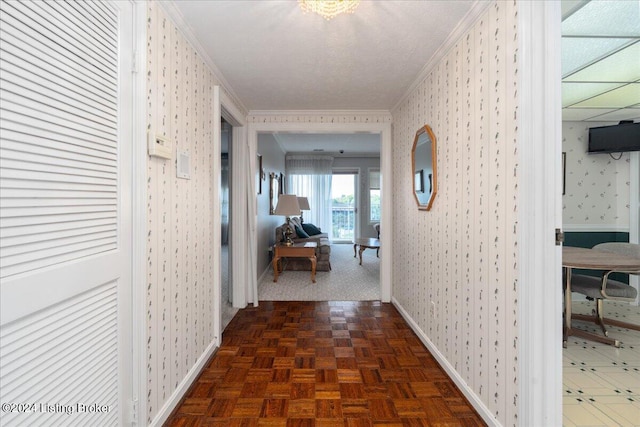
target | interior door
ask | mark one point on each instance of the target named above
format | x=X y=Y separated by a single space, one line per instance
x=65 y=230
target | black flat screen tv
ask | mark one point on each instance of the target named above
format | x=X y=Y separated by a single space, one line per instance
x=615 y=139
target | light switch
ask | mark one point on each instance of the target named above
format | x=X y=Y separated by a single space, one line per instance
x=182 y=169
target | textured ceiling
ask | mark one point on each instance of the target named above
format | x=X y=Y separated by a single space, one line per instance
x=275 y=57
x=354 y=144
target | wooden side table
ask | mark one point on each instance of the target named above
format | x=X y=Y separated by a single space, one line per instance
x=298 y=250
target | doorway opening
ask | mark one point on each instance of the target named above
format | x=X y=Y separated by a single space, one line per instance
x=380 y=128
x=226 y=216
x=344 y=207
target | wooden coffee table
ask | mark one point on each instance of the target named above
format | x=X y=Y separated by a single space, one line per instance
x=297 y=250
x=365 y=243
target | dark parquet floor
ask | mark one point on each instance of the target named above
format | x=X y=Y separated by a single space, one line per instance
x=323 y=364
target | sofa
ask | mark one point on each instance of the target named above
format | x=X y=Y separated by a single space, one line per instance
x=323 y=250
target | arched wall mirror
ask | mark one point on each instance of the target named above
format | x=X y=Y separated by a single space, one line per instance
x=423 y=160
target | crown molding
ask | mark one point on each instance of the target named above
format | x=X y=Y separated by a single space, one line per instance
x=173 y=13
x=358 y=113
x=335 y=154
x=469 y=20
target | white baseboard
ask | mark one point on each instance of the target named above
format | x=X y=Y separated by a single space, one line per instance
x=181 y=390
x=478 y=405
x=264 y=273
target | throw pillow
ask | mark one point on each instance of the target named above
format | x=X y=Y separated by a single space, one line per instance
x=295 y=221
x=301 y=233
x=311 y=229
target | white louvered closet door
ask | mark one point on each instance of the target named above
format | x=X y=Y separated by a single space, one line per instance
x=65 y=212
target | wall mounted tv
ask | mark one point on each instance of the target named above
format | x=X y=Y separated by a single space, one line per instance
x=624 y=136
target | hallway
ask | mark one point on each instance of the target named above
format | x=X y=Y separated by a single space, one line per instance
x=322 y=364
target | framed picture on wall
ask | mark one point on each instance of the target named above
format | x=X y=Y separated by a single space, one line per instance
x=282 y=184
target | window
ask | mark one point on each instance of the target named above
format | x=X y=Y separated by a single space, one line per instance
x=374 y=196
x=343 y=205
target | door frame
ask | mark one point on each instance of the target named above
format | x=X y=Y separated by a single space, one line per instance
x=386 y=224
x=224 y=107
x=138 y=405
x=539 y=214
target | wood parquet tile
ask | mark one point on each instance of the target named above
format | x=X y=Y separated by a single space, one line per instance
x=322 y=364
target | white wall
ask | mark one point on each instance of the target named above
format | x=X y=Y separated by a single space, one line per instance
x=180 y=267
x=272 y=161
x=597 y=186
x=455 y=267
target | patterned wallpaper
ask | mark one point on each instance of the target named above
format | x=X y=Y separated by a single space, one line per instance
x=597 y=186
x=180 y=266
x=455 y=267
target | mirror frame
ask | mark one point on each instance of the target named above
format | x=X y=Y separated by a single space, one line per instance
x=434 y=166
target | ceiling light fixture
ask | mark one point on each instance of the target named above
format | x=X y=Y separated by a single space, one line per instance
x=328 y=9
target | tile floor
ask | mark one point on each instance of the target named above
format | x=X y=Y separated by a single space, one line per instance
x=601 y=383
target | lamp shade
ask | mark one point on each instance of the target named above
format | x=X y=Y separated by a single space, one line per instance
x=287 y=205
x=304 y=204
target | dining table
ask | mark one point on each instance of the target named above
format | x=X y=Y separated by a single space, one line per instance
x=593 y=259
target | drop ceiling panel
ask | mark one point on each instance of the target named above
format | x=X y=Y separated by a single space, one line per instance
x=623 y=66
x=600 y=58
x=570 y=6
x=574 y=92
x=621 y=97
x=604 y=18
x=577 y=52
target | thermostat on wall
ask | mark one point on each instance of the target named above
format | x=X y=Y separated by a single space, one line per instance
x=158 y=146
x=182 y=166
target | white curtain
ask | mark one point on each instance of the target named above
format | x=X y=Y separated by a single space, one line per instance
x=310 y=176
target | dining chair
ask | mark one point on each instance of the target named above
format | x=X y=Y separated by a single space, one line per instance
x=601 y=288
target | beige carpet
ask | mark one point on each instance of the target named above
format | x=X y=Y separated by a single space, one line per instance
x=347 y=280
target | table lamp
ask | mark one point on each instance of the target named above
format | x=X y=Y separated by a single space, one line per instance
x=304 y=206
x=288 y=206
